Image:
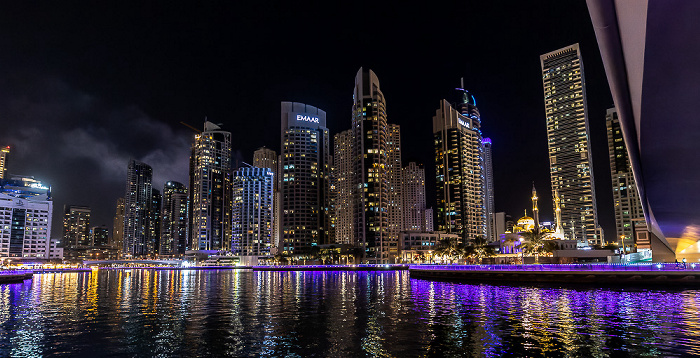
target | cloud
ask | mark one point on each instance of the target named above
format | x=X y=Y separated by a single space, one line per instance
x=81 y=145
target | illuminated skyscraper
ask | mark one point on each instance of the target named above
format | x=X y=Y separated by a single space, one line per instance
x=370 y=159
x=489 y=206
x=76 y=225
x=138 y=200
x=459 y=168
x=414 y=211
x=154 y=219
x=118 y=226
x=625 y=195
x=99 y=236
x=345 y=192
x=265 y=158
x=174 y=224
x=268 y=158
x=25 y=214
x=252 y=214
x=4 y=153
x=210 y=189
x=395 y=197
x=305 y=178
x=568 y=141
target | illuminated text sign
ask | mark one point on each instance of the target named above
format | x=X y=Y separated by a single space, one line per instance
x=303 y=118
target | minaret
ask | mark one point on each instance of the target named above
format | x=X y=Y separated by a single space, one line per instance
x=557 y=211
x=535 y=210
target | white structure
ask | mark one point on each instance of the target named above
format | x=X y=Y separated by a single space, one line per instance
x=416 y=217
x=25 y=220
x=417 y=246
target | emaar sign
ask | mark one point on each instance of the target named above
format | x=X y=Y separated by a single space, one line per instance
x=305 y=118
x=463 y=123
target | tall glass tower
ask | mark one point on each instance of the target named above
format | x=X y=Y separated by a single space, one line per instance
x=252 y=213
x=459 y=165
x=174 y=225
x=4 y=153
x=489 y=206
x=305 y=163
x=628 y=206
x=568 y=140
x=210 y=189
x=137 y=207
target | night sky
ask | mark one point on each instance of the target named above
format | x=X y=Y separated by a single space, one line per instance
x=85 y=87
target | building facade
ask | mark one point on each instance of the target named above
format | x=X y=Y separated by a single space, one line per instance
x=99 y=236
x=25 y=214
x=174 y=222
x=252 y=213
x=118 y=226
x=154 y=223
x=344 y=192
x=570 y=160
x=137 y=204
x=414 y=209
x=76 y=225
x=4 y=153
x=489 y=202
x=305 y=178
x=210 y=189
x=627 y=204
x=459 y=168
x=268 y=158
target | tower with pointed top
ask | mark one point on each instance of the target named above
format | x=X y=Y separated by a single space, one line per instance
x=535 y=209
x=459 y=165
x=210 y=189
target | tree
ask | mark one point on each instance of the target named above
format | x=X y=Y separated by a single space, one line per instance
x=449 y=247
x=479 y=248
x=535 y=243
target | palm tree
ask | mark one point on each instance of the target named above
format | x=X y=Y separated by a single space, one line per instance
x=535 y=243
x=449 y=247
x=479 y=248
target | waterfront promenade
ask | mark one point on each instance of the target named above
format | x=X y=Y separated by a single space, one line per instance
x=635 y=274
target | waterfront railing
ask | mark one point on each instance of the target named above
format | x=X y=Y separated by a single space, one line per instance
x=568 y=267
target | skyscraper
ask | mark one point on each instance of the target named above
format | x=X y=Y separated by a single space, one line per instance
x=25 y=214
x=137 y=204
x=370 y=159
x=118 y=226
x=414 y=210
x=268 y=158
x=252 y=214
x=210 y=189
x=489 y=206
x=625 y=196
x=568 y=141
x=154 y=218
x=305 y=178
x=175 y=221
x=344 y=191
x=99 y=236
x=459 y=168
x=4 y=153
x=395 y=198
x=76 y=225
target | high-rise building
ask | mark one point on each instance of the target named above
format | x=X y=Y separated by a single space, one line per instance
x=4 y=153
x=25 y=214
x=252 y=213
x=395 y=198
x=76 y=225
x=370 y=159
x=489 y=206
x=459 y=168
x=305 y=178
x=568 y=140
x=414 y=198
x=628 y=206
x=268 y=158
x=210 y=189
x=154 y=222
x=174 y=222
x=138 y=200
x=344 y=191
x=99 y=236
x=118 y=226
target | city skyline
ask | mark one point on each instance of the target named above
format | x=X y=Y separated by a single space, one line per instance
x=510 y=106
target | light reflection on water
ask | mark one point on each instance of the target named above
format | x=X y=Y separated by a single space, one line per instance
x=336 y=314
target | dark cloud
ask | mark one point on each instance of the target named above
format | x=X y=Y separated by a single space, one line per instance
x=81 y=145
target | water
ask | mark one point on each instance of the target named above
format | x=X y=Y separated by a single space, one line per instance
x=147 y=313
